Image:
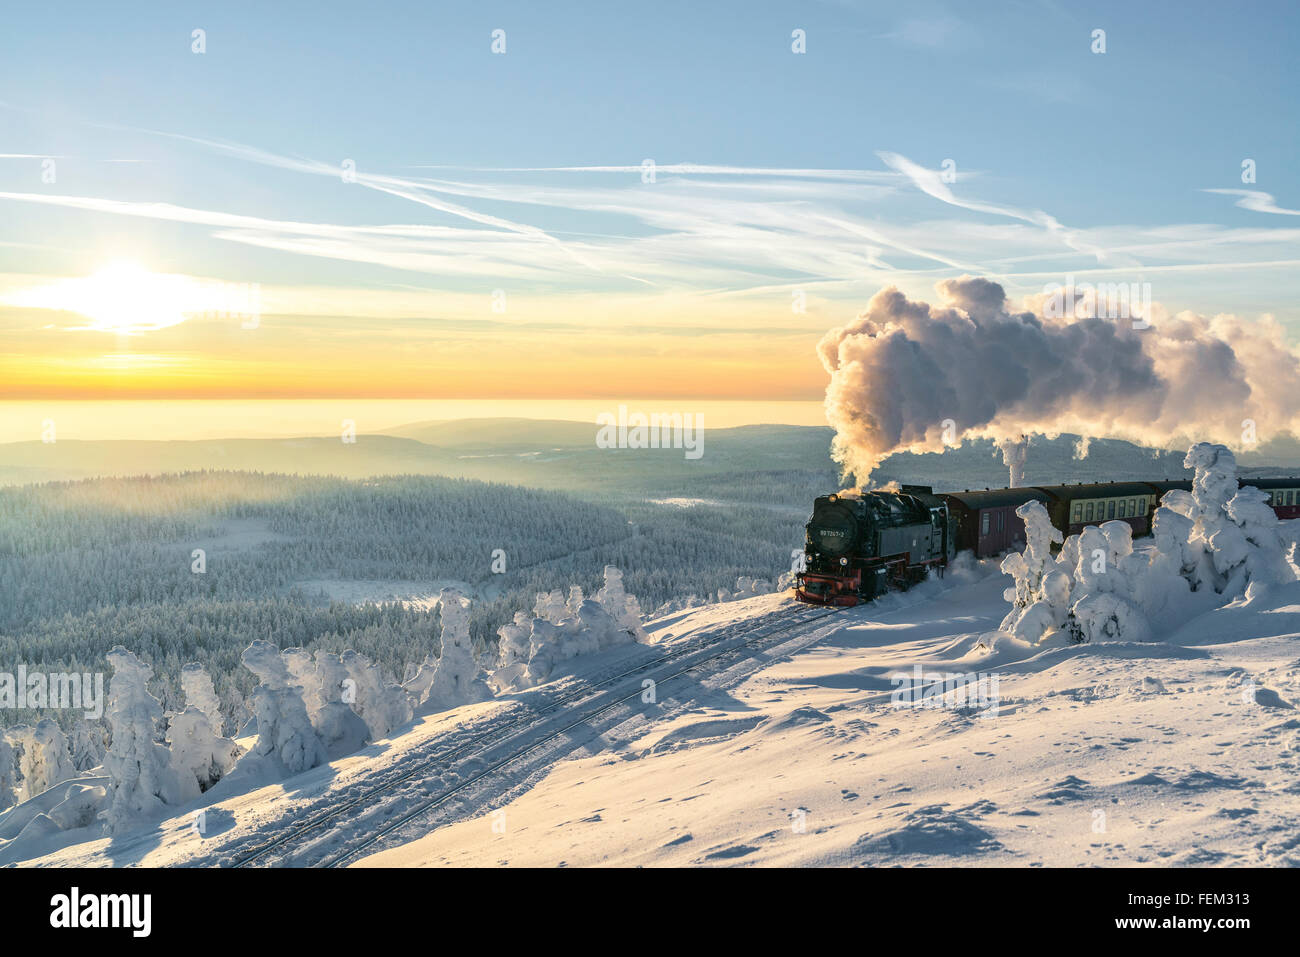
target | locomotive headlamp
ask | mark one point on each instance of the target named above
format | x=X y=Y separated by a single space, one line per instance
x=844 y=561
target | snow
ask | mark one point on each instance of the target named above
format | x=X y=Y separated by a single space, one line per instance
x=382 y=705
x=196 y=683
x=285 y=736
x=45 y=757
x=197 y=749
x=1181 y=751
x=143 y=779
x=455 y=678
x=8 y=774
x=1102 y=753
x=341 y=729
x=1212 y=545
x=413 y=594
x=1114 y=703
x=562 y=628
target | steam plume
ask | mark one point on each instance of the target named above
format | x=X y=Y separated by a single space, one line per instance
x=1013 y=456
x=902 y=368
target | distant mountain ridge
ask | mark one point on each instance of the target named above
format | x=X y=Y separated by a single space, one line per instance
x=552 y=453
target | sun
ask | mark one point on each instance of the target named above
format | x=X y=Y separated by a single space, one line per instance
x=123 y=297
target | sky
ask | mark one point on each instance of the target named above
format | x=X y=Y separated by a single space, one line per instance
x=657 y=200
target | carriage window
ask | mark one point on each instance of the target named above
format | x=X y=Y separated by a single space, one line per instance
x=1290 y=498
x=1133 y=506
x=1077 y=514
x=1123 y=508
x=984 y=524
x=1110 y=510
x=1002 y=519
x=1087 y=513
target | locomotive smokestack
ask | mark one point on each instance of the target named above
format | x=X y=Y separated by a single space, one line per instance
x=910 y=376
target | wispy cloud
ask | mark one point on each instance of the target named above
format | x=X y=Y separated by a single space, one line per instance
x=708 y=229
x=1255 y=201
x=931 y=182
x=928 y=32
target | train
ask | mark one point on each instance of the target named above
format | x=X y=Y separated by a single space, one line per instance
x=859 y=545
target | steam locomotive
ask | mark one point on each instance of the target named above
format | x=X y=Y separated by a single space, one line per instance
x=861 y=544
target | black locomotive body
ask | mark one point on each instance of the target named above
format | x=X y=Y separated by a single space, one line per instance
x=859 y=545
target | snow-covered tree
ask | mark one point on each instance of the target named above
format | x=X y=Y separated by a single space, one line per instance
x=196 y=683
x=45 y=760
x=624 y=608
x=143 y=779
x=8 y=774
x=551 y=606
x=512 y=648
x=1212 y=544
x=302 y=672
x=284 y=730
x=86 y=743
x=1028 y=568
x=340 y=728
x=382 y=705
x=459 y=678
x=197 y=749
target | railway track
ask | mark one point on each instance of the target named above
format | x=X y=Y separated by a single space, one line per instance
x=521 y=732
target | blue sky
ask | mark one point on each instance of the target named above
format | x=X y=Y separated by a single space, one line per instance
x=1067 y=160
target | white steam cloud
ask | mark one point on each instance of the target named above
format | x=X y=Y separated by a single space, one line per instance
x=1014 y=452
x=902 y=368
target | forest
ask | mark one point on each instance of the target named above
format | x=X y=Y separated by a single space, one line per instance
x=192 y=567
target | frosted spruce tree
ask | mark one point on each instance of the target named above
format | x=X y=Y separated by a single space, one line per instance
x=458 y=678
x=624 y=608
x=196 y=683
x=382 y=705
x=45 y=761
x=86 y=743
x=302 y=674
x=285 y=735
x=1211 y=545
x=194 y=735
x=142 y=778
x=8 y=774
x=197 y=750
x=340 y=728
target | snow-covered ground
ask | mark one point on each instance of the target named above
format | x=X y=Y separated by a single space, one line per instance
x=1101 y=753
x=358 y=592
x=787 y=749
